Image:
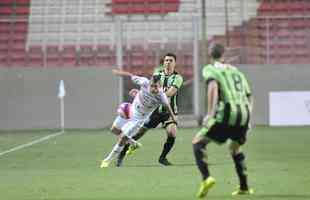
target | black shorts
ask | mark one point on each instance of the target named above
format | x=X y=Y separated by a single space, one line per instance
x=157 y=118
x=219 y=133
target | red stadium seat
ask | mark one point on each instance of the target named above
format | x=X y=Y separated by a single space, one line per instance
x=35 y=56
x=52 y=56
x=281 y=7
x=163 y=1
x=104 y=60
x=4 y=45
x=87 y=61
x=23 y=2
x=137 y=8
x=4 y=2
x=68 y=56
x=104 y=48
x=105 y=56
x=86 y=56
x=18 y=58
x=4 y=37
x=307 y=6
x=5 y=10
x=144 y=6
x=298 y=23
x=5 y=27
x=296 y=6
x=265 y=8
x=137 y=59
x=150 y=59
x=18 y=44
x=4 y=53
x=155 y=8
x=170 y=7
x=23 y=10
x=19 y=36
x=121 y=1
x=120 y=9
x=20 y=26
x=4 y=58
x=138 y=1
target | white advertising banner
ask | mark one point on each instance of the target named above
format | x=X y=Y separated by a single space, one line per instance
x=289 y=108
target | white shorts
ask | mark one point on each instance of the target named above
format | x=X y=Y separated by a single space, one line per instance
x=119 y=122
x=132 y=127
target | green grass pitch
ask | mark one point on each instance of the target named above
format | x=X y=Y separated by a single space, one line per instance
x=67 y=167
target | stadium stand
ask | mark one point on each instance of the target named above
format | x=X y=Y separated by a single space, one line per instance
x=143 y=6
x=278 y=35
x=13 y=32
x=83 y=33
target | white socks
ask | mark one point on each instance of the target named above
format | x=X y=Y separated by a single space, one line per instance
x=115 y=151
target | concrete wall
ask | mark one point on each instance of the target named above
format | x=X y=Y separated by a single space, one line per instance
x=29 y=97
x=267 y=78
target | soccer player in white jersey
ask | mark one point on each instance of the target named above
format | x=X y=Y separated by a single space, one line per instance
x=150 y=96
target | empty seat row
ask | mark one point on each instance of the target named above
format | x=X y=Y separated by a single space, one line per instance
x=15 y=27
x=284 y=7
x=143 y=7
x=12 y=2
x=84 y=56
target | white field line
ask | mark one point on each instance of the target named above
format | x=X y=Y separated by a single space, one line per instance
x=31 y=143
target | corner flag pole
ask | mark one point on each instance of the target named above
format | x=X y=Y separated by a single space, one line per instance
x=61 y=95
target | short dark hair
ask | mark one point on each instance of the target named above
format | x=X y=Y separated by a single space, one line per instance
x=217 y=51
x=155 y=79
x=171 y=55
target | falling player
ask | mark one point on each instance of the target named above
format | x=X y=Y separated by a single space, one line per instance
x=150 y=96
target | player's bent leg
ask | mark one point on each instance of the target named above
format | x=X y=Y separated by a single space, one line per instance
x=234 y=148
x=118 y=147
x=133 y=147
x=115 y=131
x=117 y=125
x=199 y=145
x=239 y=160
x=140 y=133
x=122 y=155
x=171 y=131
x=199 y=150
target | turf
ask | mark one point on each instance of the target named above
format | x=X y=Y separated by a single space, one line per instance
x=67 y=167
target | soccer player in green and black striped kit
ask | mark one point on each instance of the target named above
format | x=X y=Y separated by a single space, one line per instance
x=171 y=82
x=228 y=117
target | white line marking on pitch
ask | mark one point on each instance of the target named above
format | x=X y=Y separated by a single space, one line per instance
x=31 y=143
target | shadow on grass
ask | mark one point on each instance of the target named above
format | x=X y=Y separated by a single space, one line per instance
x=174 y=165
x=218 y=197
x=266 y=196
x=281 y=196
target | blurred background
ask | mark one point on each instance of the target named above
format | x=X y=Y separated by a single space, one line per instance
x=80 y=41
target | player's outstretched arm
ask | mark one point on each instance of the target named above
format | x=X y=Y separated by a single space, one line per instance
x=122 y=72
x=135 y=79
